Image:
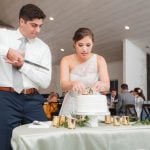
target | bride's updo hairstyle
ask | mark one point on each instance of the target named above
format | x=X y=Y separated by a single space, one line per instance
x=81 y=33
x=139 y=92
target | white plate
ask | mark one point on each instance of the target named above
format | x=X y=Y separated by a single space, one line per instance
x=40 y=124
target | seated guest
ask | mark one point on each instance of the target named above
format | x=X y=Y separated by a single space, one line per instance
x=123 y=99
x=112 y=100
x=53 y=97
x=51 y=107
x=139 y=99
x=53 y=103
x=132 y=92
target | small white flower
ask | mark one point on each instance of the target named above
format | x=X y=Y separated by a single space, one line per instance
x=139 y=91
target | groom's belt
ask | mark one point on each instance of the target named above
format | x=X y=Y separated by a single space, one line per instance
x=24 y=91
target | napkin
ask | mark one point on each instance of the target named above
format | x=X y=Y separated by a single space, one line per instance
x=40 y=124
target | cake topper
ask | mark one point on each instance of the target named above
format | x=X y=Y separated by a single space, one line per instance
x=88 y=91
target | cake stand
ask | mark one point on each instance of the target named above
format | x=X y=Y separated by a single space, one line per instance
x=94 y=118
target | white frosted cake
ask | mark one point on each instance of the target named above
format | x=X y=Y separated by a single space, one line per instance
x=92 y=104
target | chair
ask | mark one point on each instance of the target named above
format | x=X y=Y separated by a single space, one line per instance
x=131 y=111
x=145 y=112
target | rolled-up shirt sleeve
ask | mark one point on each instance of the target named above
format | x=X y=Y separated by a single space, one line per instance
x=41 y=76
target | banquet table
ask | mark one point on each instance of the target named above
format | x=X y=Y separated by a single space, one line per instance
x=104 y=137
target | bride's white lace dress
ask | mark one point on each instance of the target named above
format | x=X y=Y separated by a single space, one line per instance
x=87 y=73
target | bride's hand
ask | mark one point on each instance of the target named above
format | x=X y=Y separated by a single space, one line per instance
x=99 y=86
x=78 y=87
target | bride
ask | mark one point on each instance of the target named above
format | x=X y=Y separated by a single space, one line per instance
x=81 y=70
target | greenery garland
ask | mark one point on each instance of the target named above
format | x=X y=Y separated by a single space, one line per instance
x=82 y=121
x=142 y=122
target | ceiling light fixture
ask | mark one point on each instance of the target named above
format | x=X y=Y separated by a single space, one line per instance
x=51 y=18
x=62 y=50
x=127 y=27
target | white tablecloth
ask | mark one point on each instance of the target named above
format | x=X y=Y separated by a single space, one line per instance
x=104 y=137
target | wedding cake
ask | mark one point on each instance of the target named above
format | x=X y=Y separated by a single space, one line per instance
x=92 y=105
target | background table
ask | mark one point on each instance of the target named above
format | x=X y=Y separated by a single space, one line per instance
x=105 y=137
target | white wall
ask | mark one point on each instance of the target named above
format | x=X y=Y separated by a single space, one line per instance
x=134 y=66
